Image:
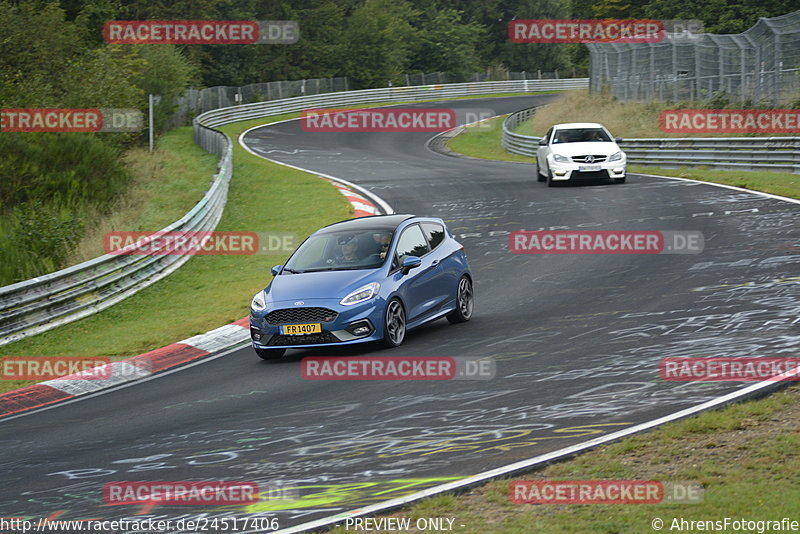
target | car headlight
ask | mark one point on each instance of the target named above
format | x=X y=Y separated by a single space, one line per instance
x=362 y=294
x=558 y=158
x=259 y=302
x=616 y=156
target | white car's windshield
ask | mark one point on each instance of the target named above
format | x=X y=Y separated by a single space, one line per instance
x=580 y=135
x=341 y=250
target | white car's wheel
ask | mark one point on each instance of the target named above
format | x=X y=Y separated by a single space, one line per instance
x=539 y=176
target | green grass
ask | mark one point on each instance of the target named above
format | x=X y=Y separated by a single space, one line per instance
x=777 y=183
x=745 y=457
x=481 y=140
x=165 y=186
x=208 y=291
x=484 y=142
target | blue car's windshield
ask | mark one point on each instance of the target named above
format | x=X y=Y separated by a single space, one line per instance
x=341 y=250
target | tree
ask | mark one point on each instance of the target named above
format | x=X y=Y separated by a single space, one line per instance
x=538 y=56
x=379 y=38
x=447 y=44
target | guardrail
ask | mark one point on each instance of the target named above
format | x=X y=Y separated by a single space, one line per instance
x=221 y=116
x=48 y=301
x=726 y=153
x=42 y=303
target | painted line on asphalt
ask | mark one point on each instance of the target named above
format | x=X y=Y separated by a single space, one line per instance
x=536 y=461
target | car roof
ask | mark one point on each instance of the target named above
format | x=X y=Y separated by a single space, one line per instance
x=373 y=222
x=572 y=125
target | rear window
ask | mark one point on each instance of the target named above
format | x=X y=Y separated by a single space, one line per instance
x=434 y=232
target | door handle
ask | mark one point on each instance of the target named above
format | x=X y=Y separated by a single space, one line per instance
x=435 y=262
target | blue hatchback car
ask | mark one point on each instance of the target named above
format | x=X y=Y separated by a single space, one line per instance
x=366 y=279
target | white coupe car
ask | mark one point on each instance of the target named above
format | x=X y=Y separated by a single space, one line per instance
x=579 y=151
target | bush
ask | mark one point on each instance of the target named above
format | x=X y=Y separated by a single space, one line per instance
x=36 y=239
x=70 y=168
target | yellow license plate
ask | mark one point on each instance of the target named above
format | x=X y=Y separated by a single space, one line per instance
x=301 y=329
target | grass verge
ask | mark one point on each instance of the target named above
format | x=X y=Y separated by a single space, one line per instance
x=165 y=186
x=263 y=197
x=741 y=455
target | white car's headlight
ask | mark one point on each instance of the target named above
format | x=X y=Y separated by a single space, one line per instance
x=558 y=158
x=259 y=302
x=362 y=294
x=616 y=156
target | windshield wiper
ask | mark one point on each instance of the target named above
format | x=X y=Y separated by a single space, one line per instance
x=293 y=271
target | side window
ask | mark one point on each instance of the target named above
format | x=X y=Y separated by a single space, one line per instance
x=412 y=243
x=434 y=232
x=548 y=135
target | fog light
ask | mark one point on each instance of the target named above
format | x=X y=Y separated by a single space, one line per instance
x=360 y=328
x=561 y=173
x=618 y=171
x=255 y=334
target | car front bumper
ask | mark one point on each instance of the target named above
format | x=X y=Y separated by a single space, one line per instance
x=577 y=171
x=352 y=324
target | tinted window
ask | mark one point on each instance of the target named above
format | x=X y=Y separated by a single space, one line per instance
x=434 y=232
x=547 y=135
x=412 y=243
x=580 y=135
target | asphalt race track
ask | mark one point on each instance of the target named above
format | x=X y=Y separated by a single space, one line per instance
x=577 y=340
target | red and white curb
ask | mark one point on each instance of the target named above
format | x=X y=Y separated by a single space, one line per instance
x=143 y=365
x=120 y=372
x=362 y=206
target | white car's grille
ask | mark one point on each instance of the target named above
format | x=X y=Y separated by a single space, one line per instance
x=589 y=159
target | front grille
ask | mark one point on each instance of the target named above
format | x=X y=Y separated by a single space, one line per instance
x=300 y=315
x=582 y=159
x=308 y=339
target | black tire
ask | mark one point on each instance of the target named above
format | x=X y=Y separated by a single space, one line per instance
x=550 y=182
x=270 y=354
x=539 y=176
x=465 y=302
x=394 y=324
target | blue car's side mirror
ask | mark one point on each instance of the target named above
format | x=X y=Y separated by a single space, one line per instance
x=410 y=262
x=275 y=270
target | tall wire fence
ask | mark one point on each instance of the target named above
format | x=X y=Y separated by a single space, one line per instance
x=760 y=66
